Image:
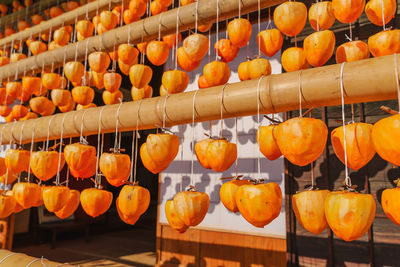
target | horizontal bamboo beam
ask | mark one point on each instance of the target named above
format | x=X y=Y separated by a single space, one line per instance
x=364 y=81
x=66 y=18
x=143 y=30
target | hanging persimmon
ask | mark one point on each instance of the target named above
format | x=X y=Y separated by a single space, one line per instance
x=3 y=167
x=91 y=105
x=46 y=164
x=19 y=111
x=196 y=46
x=200 y=149
x=128 y=220
x=99 y=61
x=309 y=209
x=108 y=19
x=31 y=84
x=221 y=154
x=390 y=203
x=301 y=140
x=129 y=17
x=85 y=28
x=17 y=160
x=8 y=178
x=14 y=89
x=42 y=106
x=95 y=201
x=216 y=73
x=243 y=70
x=137 y=8
x=191 y=206
x=74 y=71
x=36 y=19
x=140 y=75
x=290 y=17
x=157 y=52
x=61 y=97
x=267 y=142
x=27 y=194
x=204 y=27
x=18 y=207
x=359 y=147
x=385 y=134
x=70 y=207
x=185 y=62
x=112 y=81
x=172 y=217
x=186 y=2
x=7 y=205
x=116 y=167
x=270 y=41
x=352 y=51
x=239 y=32
x=142 y=47
x=319 y=47
x=69 y=107
x=83 y=95
x=81 y=160
x=53 y=45
x=166 y=3
x=112 y=98
x=384 y=43
x=171 y=39
x=133 y=200
x=22 y=25
x=253 y=198
x=254 y=69
x=55 y=11
x=96 y=79
x=175 y=81
x=226 y=50
x=5 y=110
x=321 y=15
x=29 y=116
x=141 y=93
x=373 y=10
x=55 y=197
x=149 y=163
x=51 y=81
x=124 y=68
x=61 y=36
x=202 y=82
x=228 y=191
x=127 y=53
x=4 y=60
x=347 y=11
x=156 y=8
x=37 y=47
x=349 y=214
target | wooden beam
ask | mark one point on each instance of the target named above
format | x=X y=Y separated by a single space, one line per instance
x=143 y=30
x=66 y=18
x=364 y=81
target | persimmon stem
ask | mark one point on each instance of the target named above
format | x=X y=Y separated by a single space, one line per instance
x=272 y=120
x=232 y=177
x=389 y=110
x=307 y=111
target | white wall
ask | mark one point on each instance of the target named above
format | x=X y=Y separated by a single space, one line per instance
x=218 y=216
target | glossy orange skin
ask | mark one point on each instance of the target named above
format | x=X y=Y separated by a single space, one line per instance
x=37 y=47
x=254 y=69
x=17 y=160
x=239 y=32
x=202 y=82
x=31 y=85
x=61 y=36
x=133 y=200
x=95 y=201
x=384 y=43
x=7 y=206
x=141 y=93
x=166 y=3
x=196 y=46
x=27 y=194
x=112 y=81
x=42 y=105
x=14 y=89
x=91 y=105
x=19 y=111
x=359 y=146
x=55 y=197
x=259 y=204
x=373 y=10
x=157 y=52
x=216 y=73
x=74 y=71
x=55 y=11
x=83 y=95
x=69 y=107
x=149 y=163
x=96 y=79
x=137 y=8
x=23 y=25
x=18 y=207
x=53 y=45
x=112 y=98
x=349 y=214
x=226 y=50
x=310 y=210
x=204 y=27
x=17 y=57
x=191 y=207
x=301 y=140
x=108 y=19
x=99 y=61
x=115 y=167
x=319 y=47
x=156 y=8
x=228 y=191
x=3 y=167
x=268 y=146
x=290 y=18
x=200 y=149
x=4 y=61
x=61 y=97
x=173 y=220
x=185 y=62
x=348 y=11
x=127 y=53
x=51 y=80
x=162 y=148
x=390 y=204
x=170 y=39
x=128 y=17
x=81 y=160
x=385 y=136
x=29 y=116
x=140 y=75
x=175 y=81
x=5 y=98
x=70 y=206
x=124 y=68
x=270 y=41
x=5 y=111
x=36 y=19
x=321 y=15
x=125 y=219
x=8 y=178
x=44 y=164
x=85 y=28
x=352 y=51
x=221 y=154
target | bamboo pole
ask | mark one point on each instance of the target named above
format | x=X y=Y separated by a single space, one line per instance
x=143 y=30
x=364 y=81
x=66 y=18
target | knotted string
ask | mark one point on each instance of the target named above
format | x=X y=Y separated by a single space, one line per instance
x=258 y=126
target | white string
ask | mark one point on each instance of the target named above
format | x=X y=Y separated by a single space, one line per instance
x=222 y=110
x=48 y=133
x=383 y=16
x=396 y=73
x=165 y=107
x=31 y=150
x=236 y=142
x=197 y=15
x=258 y=126
x=192 y=142
x=81 y=139
x=177 y=35
x=116 y=127
x=300 y=96
x=60 y=151
x=259 y=28
x=135 y=143
x=347 y=178
x=98 y=148
x=217 y=27
x=9 y=255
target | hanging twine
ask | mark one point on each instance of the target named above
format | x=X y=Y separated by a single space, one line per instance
x=383 y=16
x=217 y=28
x=31 y=150
x=196 y=18
x=48 y=134
x=236 y=142
x=135 y=143
x=81 y=139
x=60 y=150
x=259 y=28
x=300 y=95
x=222 y=110
x=177 y=35
x=192 y=141
x=396 y=73
x=116 y=145
x=97 y=175
x=258 y=126
x=165 y=107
